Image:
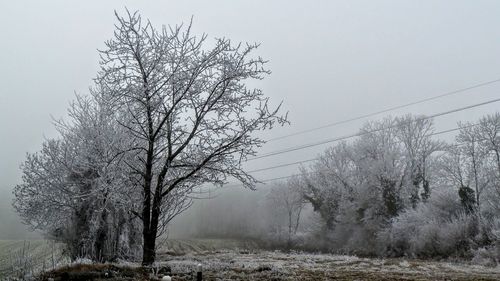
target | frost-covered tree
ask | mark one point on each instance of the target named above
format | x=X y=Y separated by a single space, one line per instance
x=329 y=181
x=186 y=106
x=381 y=160
x=398 y=191
x=415 y=135
x=358 y=187
x=455 y=172
x=473 y=150
x=72 y=189
x=488 y=130
x=461 y=218
x=287 y=204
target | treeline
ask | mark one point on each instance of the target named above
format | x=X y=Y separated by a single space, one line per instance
x=397 y=190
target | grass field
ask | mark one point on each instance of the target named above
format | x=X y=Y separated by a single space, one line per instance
x=34 y=254
x=177 y=247
x=240 y=260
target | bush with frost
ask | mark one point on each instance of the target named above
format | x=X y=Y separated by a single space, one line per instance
x=438 y=228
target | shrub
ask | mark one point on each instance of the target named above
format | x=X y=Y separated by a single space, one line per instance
x=439 y=228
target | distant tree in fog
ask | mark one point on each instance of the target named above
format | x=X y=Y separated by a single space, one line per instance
x=358 y=187
x=489 y=132
x=415 y=136
x=472 y=165
x=286 y=202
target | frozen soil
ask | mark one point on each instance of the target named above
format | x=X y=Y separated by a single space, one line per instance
x=222 y=260
x=266 y=265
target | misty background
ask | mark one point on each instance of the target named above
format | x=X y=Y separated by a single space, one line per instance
x=330 y=61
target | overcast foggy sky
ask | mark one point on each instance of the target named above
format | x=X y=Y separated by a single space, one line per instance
x=330 y=60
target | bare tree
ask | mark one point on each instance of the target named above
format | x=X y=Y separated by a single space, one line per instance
x=186 y=107
x=286 y=198
x=489 y=133
x=414 y=133
x=455 y=172
x=472 y=148
x=485 y=159
x=330 y=180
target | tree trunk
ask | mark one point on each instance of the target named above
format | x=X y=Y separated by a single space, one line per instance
x=149 y=237
x=149 y=244
x=100 y=254
x=148 y=251
x=150 y=232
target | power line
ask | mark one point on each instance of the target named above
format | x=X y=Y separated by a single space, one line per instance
x=317 y=158
x=388 y=109
x=261 y=181
x=367 y=132
x=282 y=165
x=290 y=176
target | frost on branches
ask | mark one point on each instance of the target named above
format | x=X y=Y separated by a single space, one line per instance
x=177 y=114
